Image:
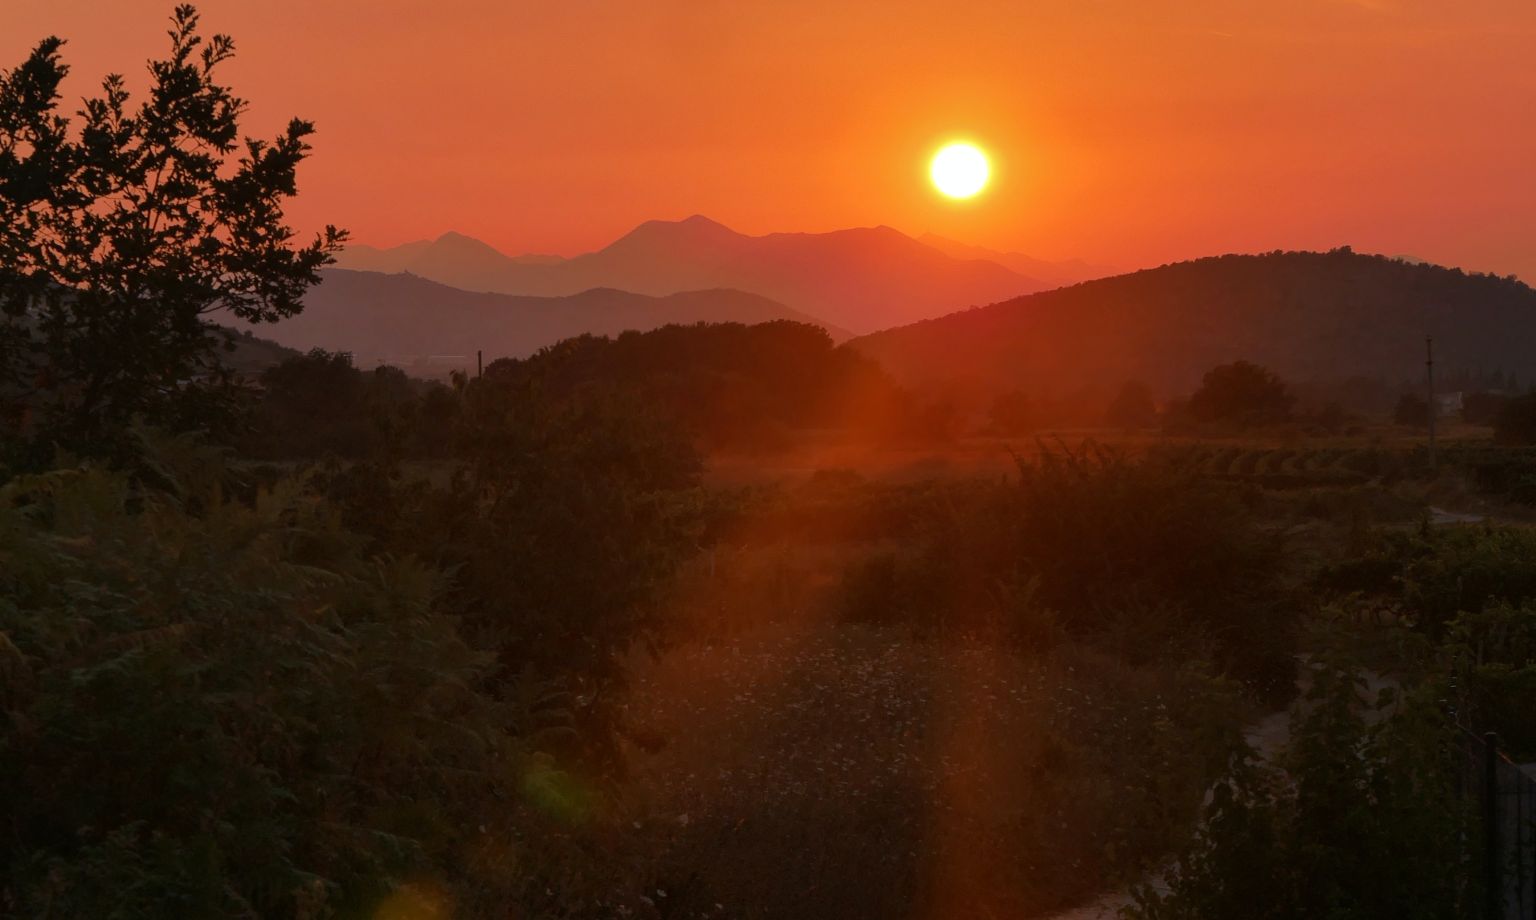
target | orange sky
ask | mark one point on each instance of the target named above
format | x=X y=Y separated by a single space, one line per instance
x=1126 y=132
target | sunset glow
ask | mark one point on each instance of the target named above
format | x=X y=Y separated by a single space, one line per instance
x=1135 y=134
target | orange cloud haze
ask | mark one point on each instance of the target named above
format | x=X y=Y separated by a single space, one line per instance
x=1121 y=131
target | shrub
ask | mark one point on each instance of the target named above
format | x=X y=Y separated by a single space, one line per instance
x=1492 y=652
x=224 y=709
x=1103 y=532
x=1465 y=569
x=1076 y=542
x=1366 y=825
x=1241 y=394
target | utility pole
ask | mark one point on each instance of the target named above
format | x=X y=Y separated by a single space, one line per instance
x=479 y=362
x=1429 y=379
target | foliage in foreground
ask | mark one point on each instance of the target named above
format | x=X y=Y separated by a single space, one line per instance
x=1366 y=823
x=1464 y=599
x=560 y=522
x=1430 y=577
x=219 y=707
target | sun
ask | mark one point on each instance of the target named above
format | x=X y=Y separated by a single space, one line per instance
x=959 y=170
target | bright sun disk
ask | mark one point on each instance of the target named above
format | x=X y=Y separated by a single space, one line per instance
x=959 y=170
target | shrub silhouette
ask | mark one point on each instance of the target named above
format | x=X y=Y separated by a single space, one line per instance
x=1241 y=394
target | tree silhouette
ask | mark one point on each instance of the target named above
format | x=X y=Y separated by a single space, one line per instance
x=121 y=236
x=1241 y=393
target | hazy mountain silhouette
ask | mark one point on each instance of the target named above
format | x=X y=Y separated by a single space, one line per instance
x=861 y=279
x=454 y=259
x=1057 y=274
x=403 y=319
x=1308 y=316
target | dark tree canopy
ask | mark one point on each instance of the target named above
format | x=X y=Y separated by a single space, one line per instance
x=1241 y=393
x=124 y=233
x=318 y=404
x=731 y=384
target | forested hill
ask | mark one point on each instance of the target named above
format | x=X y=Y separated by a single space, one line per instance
x=728 y=383
x=1309 y=316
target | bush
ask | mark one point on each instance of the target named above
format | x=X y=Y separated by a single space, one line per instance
x=1241 y=394
x=1074 y=545
x=1492 y=652
x=562 y=523
x=1104 y=533
x=1465 y=569
x=225 y=710
x=1365 y=826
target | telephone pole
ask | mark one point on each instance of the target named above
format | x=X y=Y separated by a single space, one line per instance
x=1429 y=380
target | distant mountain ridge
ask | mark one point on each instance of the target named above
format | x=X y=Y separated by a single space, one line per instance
x=1309 y=316
x=861 y=279
x=417 y=323
x=1057 y=274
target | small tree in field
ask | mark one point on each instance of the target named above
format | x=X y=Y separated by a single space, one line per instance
x=1242 y=394
x=122 y=237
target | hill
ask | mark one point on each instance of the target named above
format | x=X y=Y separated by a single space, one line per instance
x=1311 y=317
x=252 y=355
x=862 y=279
x=430 y=328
